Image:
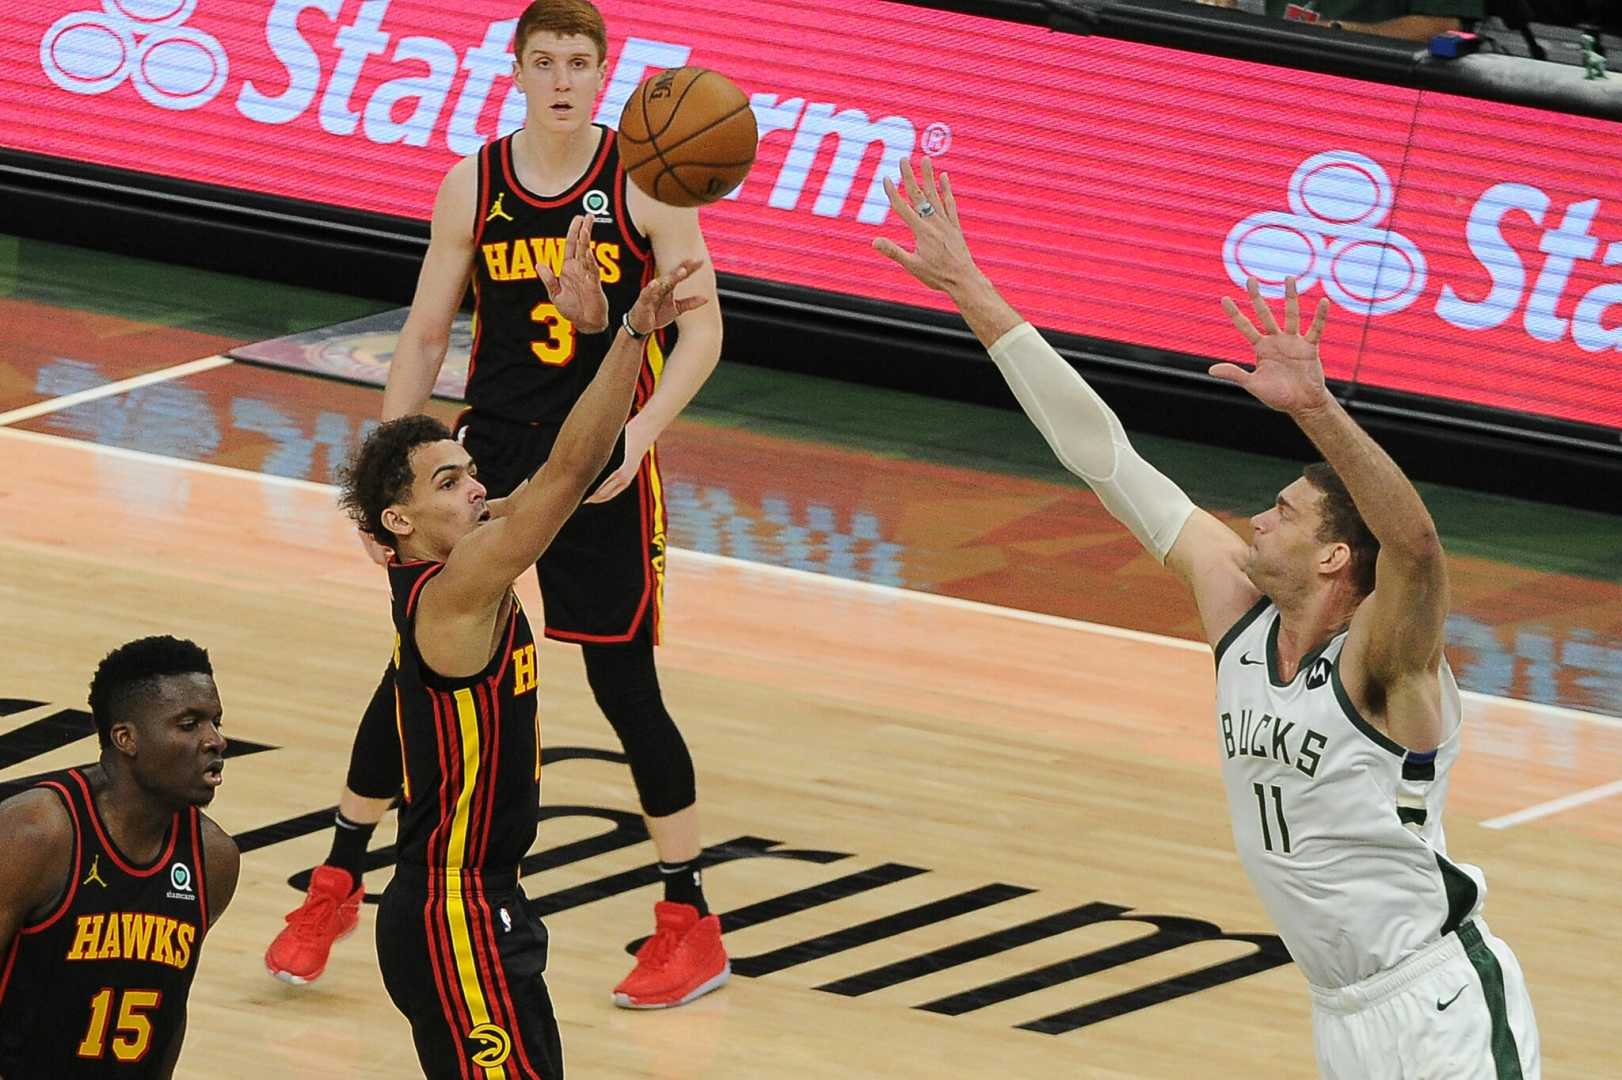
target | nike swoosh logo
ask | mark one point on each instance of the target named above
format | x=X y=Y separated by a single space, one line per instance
x=1440 y=1004
x=1245 y=659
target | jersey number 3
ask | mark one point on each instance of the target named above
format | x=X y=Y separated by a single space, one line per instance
x=557 y=348
x=133 y=1037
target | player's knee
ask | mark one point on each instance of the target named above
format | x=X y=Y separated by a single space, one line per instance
x=665 y=787
x=660 y=762
x=626 y=686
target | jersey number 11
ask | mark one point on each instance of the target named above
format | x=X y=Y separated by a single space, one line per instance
x=1278 y=810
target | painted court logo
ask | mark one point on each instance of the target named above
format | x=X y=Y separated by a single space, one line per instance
x=1332 y=235
x=171 y=65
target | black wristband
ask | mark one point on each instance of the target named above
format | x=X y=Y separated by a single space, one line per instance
x=625 y=321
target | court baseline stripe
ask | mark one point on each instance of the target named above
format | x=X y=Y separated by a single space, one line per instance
x=1554 y=806
x=812 y=579
x=67 y=401
x=1063 y=622
x=145 y=457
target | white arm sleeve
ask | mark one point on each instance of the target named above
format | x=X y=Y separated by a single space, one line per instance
x=1089 y=440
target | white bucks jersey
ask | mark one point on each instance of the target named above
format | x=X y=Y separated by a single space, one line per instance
x=1339 y=827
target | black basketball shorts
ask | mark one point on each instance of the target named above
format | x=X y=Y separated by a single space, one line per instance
x=462 y=959
x=605 y=572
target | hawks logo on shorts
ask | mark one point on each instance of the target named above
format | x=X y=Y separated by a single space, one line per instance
x=491 y=1046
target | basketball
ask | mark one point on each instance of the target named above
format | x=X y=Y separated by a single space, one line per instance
x=687 y=136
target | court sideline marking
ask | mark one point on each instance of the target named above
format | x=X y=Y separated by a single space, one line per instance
x=135 y=382
x=893 y=592
x=1554 y=806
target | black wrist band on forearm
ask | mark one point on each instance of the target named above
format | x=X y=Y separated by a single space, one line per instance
x=625 y=321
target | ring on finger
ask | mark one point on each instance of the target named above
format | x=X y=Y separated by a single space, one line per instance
x=926 y=209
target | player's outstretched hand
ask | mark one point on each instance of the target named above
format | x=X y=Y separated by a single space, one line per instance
x=577 y=291
x=1288 y=375
x=940 y=258
x=658 y=305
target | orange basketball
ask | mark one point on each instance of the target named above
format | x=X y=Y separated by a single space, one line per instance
x=687 y=136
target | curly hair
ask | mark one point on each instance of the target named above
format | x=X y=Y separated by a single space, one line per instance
x=563 y=18
x=1343 y=522
x=378 y=474
x=129 y=669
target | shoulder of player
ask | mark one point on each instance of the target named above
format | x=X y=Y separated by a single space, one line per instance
x=467 y=593
x=222 y=861
x=459 y=191
x=216 y=841
x=660 y=221
x=1209 y=558
x=36 y=816
x=1371 y=663
x=39 y=843
x=466 y=169
x=1390 y=689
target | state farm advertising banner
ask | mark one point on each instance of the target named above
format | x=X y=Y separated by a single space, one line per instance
x=1471 y=251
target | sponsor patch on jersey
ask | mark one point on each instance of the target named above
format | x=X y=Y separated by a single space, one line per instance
x=182 y=885
x=596 y=204
x=1319 y=673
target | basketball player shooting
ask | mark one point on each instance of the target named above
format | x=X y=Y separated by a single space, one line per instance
x=1338 y=719
x=502 y=219
x=461 y=955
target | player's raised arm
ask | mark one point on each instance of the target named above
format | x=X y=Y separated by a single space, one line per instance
x=487 y=561
x=1395 y=646
x=676 y=238
x=441 y=284
x=1081 y=429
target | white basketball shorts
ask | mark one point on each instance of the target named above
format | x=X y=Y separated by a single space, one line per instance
x=1459 y=1010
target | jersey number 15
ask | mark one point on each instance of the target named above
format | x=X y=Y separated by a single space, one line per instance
x=132 y=1037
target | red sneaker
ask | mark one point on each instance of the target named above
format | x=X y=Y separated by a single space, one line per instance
x=683 y=960
x=329 y=913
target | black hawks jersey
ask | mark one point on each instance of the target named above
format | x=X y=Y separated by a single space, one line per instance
x=528 y=364
x=471 y=747
x=98 y=987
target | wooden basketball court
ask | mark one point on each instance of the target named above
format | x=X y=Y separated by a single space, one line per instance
x=953 y=839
